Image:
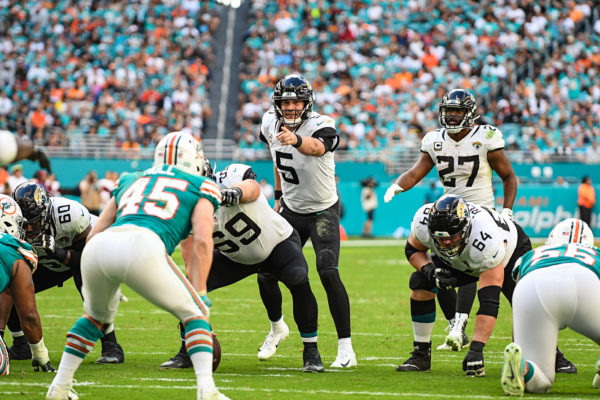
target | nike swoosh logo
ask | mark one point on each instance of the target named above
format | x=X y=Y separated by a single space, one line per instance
x=512 y=373
x=320 y=123
x=345 y=364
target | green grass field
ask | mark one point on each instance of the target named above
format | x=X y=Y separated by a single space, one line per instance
x=376 y=278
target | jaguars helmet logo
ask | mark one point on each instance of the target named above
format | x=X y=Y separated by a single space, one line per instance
x=460 y=210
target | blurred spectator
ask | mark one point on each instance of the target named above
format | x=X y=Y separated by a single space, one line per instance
x=106 y=185
x=53 y=185
x=40 y=177
x=592 y=153
x=16 y=177
x=267 y=189
x=586 y=199
x=90 y=193
x=4 y=186
x=560 y=182
x=368 y=201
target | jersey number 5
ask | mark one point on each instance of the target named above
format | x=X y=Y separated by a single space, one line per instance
x=287 y=173
x=450 y=168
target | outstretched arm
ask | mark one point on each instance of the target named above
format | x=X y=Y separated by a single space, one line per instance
x=411 y=177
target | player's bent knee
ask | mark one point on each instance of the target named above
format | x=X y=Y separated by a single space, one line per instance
x=418 y=281
x=266 y=279
x=326 y=259
x=329 y=276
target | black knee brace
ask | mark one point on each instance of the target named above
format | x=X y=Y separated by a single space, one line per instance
x=418 y=281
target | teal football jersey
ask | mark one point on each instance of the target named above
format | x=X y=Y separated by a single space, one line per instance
x=11 y=250
x=546 y=256
x=162 y=199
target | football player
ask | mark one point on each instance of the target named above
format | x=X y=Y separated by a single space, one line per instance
x=464 y=154
x=302 y=143
x=558 y=286
x=149 y=214
x=475 y=244
x=14 y=149
x=250 y=237
x=57 y=228
x=17 y=262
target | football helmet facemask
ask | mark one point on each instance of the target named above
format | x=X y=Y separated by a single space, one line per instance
x=460 y=99
x=181 y=150
x=293 y=87
x=11 y=218
x=571 y=230
x=449 y=225
x=34 y=201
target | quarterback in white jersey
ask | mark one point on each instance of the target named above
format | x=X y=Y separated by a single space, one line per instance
x=57 y=228
x=472 y=243
x=250 y=237
x=302 y=143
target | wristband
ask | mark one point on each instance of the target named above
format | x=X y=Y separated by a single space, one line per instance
x=477 y=346
x=299 y=142
x=278 y=194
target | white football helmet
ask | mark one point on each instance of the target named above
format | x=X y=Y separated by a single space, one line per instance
x=571 y=230
x=181 y=150
x=11 y=218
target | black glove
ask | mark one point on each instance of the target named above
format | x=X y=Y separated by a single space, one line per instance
x=444 y=279
x=473 y=361
x=48 y=244
x=231 y=197
x=41 y=157
x=45 y=367
x=429 y=271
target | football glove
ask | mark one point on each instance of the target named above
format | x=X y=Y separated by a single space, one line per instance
x=41 y=157
x=46 y=367
x=231 y=197
x=444 y=279
x=473 y=361
x=48 y=244
x=429 y=271
x=507 y=213
x=393 y=190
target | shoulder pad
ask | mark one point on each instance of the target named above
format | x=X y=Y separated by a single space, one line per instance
x=317 y=121
x=430 y=138
x=419 y=224
x=491 y=136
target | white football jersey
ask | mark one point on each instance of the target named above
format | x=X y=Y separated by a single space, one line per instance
x=307 y=182
x=70 y=219
x=462 y=166
x=492 y=240
x=247 y=233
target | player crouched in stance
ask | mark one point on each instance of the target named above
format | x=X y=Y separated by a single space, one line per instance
x=149 y=214
x=558 y=287
x=17 y=262
x=249 y=238
x=57 y=228
x=469 y=243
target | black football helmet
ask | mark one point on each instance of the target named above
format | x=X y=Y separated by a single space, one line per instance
x=293 y=87
x=458 y=99
x=449 y=225
x=36 y=207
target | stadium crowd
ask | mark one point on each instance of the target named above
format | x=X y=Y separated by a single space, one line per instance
x=133 y=70
x=380 y=68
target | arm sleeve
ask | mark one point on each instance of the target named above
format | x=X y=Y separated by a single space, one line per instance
x=329 y=137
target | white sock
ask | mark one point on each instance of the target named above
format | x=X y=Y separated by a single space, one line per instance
x=422 y=331
x=312 y=339
x=345 y=344
x=109 y=329
x=276 y=325
x=16 y=334
x=66 y=369
x=202 y=362
x=538 y=383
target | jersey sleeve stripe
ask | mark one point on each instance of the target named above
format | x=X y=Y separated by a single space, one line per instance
x=210 y=189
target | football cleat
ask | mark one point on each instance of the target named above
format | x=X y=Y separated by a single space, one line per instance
x=180 y=361
x=596 y=381
x=20 y=349
x=420 y=359
x=272 y=341
x=112 y=352
x=562 y=365
x=345 y=359
x=513 y=370
x=457 y=339
x=59 y=392
x=210 y=393
x=312 y=358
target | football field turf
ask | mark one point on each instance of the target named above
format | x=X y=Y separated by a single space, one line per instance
x=376 y=278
